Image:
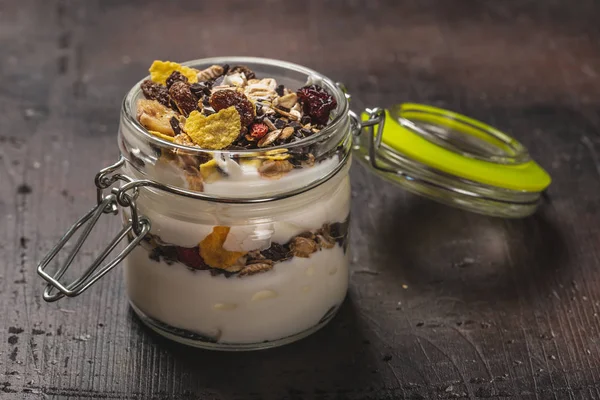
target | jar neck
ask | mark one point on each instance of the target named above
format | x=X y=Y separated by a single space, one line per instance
x=231 y=175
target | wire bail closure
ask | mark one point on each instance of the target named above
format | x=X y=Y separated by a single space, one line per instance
x=136 y=228
x=376 y=117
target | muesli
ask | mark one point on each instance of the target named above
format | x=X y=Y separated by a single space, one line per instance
x=228 y=108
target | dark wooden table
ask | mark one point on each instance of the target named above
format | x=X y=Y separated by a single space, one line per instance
x=442 y=304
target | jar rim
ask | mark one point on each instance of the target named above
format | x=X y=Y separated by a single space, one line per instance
x=341 y=109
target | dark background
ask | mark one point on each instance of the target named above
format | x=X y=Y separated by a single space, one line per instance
x=490 y=308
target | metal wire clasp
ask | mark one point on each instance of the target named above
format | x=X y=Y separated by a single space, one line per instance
x=376 y=117
x=136 y=228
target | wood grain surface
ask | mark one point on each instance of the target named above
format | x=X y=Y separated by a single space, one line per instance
x=443 y=303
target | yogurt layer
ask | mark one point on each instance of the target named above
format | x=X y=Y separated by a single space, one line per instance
x=289 y=299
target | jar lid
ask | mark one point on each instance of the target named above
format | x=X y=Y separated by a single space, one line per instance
x=451 y=158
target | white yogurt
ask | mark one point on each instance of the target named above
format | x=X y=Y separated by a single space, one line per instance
x=286 y=300
x=289 y=299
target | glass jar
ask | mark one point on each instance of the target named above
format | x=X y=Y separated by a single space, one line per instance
x=276 y=238
x=247 y=249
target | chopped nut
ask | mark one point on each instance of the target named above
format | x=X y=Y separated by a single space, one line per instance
x=270 y=124
x=296 y=111
x=286 y=133
x=256 y=256
x=211 y=72
x=155 y=117
x=288 y=101
x=235 y=79
x=255 y=268
x=303 y=247
x=263 y=90
x=275 y=169
x=289 y=115
x=325 y=242
x=269 y=138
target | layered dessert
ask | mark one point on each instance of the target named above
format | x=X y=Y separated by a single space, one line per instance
x=237 y=273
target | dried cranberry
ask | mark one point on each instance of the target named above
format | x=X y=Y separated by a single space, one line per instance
x=155 y=91
x=176 y=76
x=316 y=103
x=182 y=95
x=227 y=98
x=258 y=130
x=191 y=257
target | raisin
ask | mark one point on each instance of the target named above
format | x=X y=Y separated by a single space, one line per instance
x=258 y=130
x=227 y=98
x=305 y=120
x=176 y=76
x=175 y=125
x=316 y=103
x=182 y=95
x=279 y=90
x=259 y=109
x=245 y=70
x=155 y=91
x=191 y=257
x=225 y=68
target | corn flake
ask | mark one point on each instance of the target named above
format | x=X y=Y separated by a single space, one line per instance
x=162 y=136
x=212 y=251
x=209 y=171
x=216 y=131
x=161 y=70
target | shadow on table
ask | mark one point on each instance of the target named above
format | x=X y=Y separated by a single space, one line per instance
x=308 y=367
x=468 y=256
